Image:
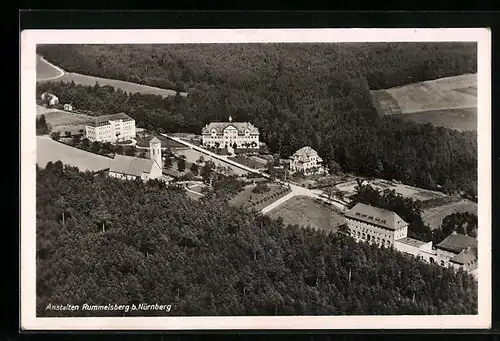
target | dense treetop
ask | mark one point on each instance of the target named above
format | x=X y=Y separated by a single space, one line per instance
x=296 y=94
x=103 y=240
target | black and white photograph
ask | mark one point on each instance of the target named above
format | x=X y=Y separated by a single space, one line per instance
x=255 y=179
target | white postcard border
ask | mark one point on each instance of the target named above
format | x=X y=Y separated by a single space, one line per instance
x=29 y=40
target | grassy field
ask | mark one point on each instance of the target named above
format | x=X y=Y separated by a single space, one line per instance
x=434 y=216
x=193 y=155
x=246 y=196
x=460 y=119
x=306 y=211
x=450 y=102
x=405 y=190
x=62 y=121
x=45 y=70
x=49 y=150
x=143 y=141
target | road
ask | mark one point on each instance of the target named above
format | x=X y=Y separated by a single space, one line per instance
x=58 y=69
x=296 y=190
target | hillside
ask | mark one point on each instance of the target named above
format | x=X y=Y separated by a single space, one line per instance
x=102 y=241
x=296 y=94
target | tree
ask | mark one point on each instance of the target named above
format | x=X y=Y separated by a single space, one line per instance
x=463 y=223
x=130 y=151
x=41 y=125
x=77 y=139
x=85 y=143
x=168 y=163
x=95 y=147
x=201 y=159
x=67 y=133
x=56 y=135
x=181 y=165
x=194 y=169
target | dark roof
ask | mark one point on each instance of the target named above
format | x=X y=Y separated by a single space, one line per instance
x=457 y=242
x=466 y=257
x=155 y=140
x=411 y=242
x=305 y=153
x=104 y=119
x=220 y=126
x=130 y=165
x=376 y=216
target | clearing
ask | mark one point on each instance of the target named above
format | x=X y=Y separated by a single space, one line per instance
x=406 y=191
x=305 y=211
x=434 y=216
x=63 y=121
x=192 y=156
x=48 y=72
x=49 y=150
x=258 y=201
x=449 y=101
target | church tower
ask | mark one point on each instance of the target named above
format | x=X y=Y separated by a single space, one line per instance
x=230 y=119
x=155 y=151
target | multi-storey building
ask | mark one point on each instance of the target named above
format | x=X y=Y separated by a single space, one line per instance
x=230 y=135
x=375 y=225
x=307 y=161
x=111 y=128
x=458 y=251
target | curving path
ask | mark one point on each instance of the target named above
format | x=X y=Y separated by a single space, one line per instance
x=296 y=190
x=45 y=64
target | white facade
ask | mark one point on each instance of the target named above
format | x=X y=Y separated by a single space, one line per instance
x=111 y=128
x=227 y=134
x=307 y=161
x=68 y=107
x=373 y=234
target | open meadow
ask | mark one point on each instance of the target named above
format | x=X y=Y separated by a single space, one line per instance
x=434 y=216
x=192 y=156
x=449 y=102
x=48 y=72
x=305 y=211
x=48 y=150
x=62 y=121
x=406 y=191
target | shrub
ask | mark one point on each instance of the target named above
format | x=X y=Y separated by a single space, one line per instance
x=261 y=188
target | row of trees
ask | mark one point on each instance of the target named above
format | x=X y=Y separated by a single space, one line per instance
x=102 y=241
x=296 y=94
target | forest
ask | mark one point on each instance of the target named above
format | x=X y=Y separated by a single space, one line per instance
x=296 y=94
x=102 y=240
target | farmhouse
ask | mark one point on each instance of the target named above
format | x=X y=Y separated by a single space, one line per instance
x=458 y=251
x=111 y=128
x=131 y=168
x=230 y=134
x=307 y=161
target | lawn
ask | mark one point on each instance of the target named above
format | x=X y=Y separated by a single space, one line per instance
x=62 y=121
x=192 y=156
x=49 y=150
x=449 y=102
x=143 y=141
x=305 y=211
x=435 y=215
x=258 y=201
x=248 y=161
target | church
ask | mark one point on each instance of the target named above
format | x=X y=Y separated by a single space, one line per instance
x=131 y=168
x=230 y=134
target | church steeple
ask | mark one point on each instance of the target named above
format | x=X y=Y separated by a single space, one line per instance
x=155 y=150
x=230 y=119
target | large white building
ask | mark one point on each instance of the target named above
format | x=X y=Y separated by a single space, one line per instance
x=385 y=228
x=131 y=168
x=307 y=161
x=230 y=134
x=375 y=225
x=111 y=128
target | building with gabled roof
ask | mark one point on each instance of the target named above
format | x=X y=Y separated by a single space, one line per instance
x=111 y=128
x=307 y=161
x=457 y=250
x=230 y=134
x=375 y=225
x=132 y=168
